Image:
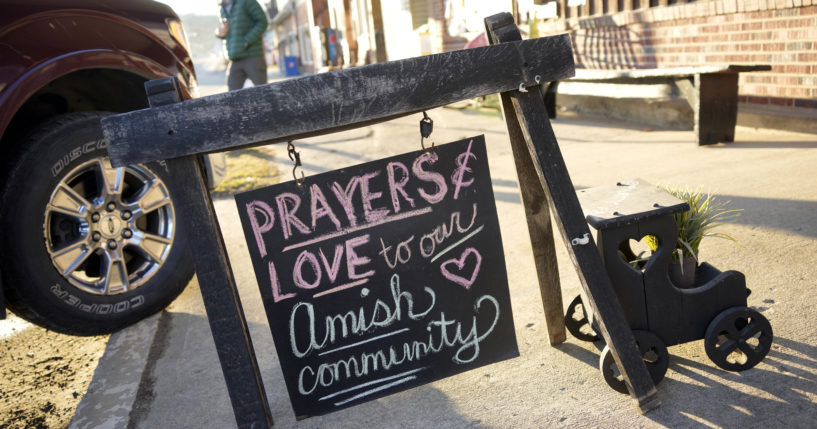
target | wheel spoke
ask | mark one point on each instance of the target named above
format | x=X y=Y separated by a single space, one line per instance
x=112 y=178
x=580 y=319
x=116 y=274
x=751 y=330
x=732 y=330
x=750 y=352
x=153 y=197
x=68 y=202
x=68 y=259
x=151 y=246
x=727 y=347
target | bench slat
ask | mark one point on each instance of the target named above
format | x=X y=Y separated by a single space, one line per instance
x=592 y=74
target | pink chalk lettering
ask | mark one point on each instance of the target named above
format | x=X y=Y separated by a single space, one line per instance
x=286 y=214
x=344 y=196
x=396 y=187
x=253 y=209
x=276 y=285
x=370 y=214
x=464 y=281
x=354 y=260
x=430 y=241
x=298 y=275
x=429 y=176
x=325 y=210
x=333 y=269
x=341 y=287
x=462 y=167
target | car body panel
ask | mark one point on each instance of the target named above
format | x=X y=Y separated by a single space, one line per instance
x=42 y=41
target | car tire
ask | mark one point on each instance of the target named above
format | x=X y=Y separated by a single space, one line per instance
x=87 y=248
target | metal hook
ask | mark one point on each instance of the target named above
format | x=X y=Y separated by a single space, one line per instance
x=522 y=87
x=426 y=127
x=298 y=181
x=426 y=149
x=295 y=156
x=538 y=79
x=581 y=241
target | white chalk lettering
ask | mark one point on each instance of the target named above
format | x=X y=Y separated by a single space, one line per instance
x=443 y=334
x=352 y=322
x=402 y=254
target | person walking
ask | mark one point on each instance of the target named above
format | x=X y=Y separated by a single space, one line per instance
x=243 y=23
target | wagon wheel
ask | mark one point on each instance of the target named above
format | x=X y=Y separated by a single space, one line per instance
x=738 y=338
x=652 y=350
x=577 y=323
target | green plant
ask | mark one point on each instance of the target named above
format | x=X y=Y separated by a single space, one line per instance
x=706 y=213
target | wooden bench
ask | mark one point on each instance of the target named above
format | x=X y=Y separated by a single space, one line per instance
x=711 y=91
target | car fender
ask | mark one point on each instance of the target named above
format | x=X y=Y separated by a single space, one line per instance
x=20 y=90
x=87 y=39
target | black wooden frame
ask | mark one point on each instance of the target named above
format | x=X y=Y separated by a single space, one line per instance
x=344 y=99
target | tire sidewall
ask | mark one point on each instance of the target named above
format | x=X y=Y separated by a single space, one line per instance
x=66 y=144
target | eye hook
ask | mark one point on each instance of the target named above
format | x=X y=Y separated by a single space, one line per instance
x=426 y=149
x=295 y=156
x=426 y=127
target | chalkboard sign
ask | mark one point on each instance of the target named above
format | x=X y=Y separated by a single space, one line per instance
x=382 y=276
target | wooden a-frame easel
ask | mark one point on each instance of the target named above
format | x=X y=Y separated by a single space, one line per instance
x=330 y=102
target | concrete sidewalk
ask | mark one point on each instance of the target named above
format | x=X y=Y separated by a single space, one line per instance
x=165 y=373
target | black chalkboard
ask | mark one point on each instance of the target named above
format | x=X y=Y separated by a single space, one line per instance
x=382 y=276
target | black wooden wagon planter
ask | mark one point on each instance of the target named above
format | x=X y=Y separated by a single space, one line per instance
x=660 y=314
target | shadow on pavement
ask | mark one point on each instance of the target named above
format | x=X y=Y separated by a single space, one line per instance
x=710 y=396
x=696 y=392
x=803 y=144
x=792 y=216
x=185 y=375
x=581 y=354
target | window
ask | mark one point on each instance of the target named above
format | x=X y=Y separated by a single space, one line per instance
x=305 y=42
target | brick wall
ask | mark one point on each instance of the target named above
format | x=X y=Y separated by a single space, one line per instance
x=782 y=33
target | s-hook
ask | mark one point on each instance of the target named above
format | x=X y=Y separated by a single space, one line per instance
x=426 y=127
x=295 y=156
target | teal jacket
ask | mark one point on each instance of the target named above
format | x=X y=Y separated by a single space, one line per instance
x=247 y=23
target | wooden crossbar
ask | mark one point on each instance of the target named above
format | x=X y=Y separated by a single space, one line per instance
x=330 y=102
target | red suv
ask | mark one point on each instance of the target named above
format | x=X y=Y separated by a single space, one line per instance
x=85 y=248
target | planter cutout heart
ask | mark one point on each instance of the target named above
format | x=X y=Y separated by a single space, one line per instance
x=451 y=273
x=635 y=253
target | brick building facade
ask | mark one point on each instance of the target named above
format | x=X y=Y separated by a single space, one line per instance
x=648 y=33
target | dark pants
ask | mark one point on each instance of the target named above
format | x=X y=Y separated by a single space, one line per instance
x=254 y=68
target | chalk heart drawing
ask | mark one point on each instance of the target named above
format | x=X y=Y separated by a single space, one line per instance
x=452 y=268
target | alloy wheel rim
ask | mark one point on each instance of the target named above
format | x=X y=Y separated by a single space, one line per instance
x=109 y=230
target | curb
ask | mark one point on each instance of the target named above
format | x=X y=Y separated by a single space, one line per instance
x=112 y=393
